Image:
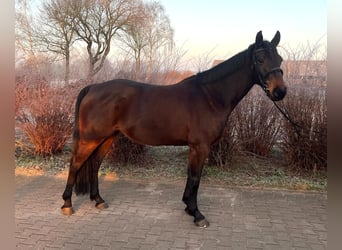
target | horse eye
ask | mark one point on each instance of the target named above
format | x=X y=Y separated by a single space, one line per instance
x=260 y=60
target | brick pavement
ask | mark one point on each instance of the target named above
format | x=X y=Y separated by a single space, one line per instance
x=151 y=216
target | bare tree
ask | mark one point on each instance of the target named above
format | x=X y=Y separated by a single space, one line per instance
x=159 y=36
x=96 y=23
x=133 y=37
x=29 y=63
x=306 y=62
x=24 y=37
x=57 y=33
x=204 y=61
x=148 y=37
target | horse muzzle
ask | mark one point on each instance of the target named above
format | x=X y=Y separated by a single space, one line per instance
x=278 y=93
x=273 y=84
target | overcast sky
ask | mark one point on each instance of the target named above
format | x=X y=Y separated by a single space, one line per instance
x=225 y=27
x=230 y=26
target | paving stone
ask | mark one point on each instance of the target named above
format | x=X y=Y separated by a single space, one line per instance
x=144 y=215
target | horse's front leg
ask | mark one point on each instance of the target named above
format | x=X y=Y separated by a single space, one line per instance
x=197 y=156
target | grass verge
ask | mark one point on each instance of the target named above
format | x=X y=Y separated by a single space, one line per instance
x=169 y=164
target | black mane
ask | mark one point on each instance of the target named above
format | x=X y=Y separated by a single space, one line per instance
x=229 y=66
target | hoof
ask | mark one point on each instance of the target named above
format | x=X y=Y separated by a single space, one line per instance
x=202 y=223
x=67 y=210
x=101 y=205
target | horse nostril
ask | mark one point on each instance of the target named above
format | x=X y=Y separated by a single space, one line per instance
x=279 y=93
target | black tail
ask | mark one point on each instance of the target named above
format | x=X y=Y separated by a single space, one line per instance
x=83 y=175
x=81 y=95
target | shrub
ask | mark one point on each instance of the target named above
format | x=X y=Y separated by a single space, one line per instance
x=125 y=151
x=253 y=127
x=257 y=123
x=307 y=149
x=44 y=115
x=222 y=152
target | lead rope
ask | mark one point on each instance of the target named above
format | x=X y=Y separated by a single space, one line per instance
x=285 y=113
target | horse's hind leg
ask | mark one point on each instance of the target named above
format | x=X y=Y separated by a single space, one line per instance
x=82 y=151
x=94 y=181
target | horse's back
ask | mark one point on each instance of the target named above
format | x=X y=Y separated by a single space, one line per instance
x=149 y=114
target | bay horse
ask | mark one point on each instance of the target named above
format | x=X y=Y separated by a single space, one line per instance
x=192 y=112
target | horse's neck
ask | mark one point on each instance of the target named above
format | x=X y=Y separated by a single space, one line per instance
x=227 y=92
x=240 y=84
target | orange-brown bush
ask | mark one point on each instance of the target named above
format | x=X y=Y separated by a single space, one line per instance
x=307 y=106
x=257 y=123
x=258 y=127
x=125 y=151
x=44 y=116
x=253 y=127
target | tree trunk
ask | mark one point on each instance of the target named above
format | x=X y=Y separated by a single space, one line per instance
x=90 y=76
x=67 y=67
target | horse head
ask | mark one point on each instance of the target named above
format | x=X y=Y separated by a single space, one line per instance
x=266 y=63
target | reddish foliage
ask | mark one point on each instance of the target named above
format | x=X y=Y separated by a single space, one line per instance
x=44 y=115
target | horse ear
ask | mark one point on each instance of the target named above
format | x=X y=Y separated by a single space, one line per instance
x=259 y=38
x=276 y=39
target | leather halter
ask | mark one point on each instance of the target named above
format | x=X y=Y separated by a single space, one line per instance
x=263 y=76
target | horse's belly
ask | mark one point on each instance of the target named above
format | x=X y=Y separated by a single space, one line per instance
x=157 y=133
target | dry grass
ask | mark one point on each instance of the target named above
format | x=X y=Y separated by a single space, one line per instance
x=169 y=164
